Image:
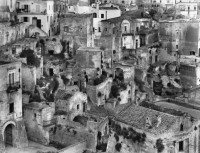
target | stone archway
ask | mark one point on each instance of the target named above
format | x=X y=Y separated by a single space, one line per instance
x=9 y=134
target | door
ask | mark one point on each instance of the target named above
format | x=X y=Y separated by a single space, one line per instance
x=8 y=135
x=11 y=78
x=84 y=107
x=34 y=21
x=51 y=72
x=39 y=24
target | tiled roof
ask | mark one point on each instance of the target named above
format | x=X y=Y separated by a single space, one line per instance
x=136 y=117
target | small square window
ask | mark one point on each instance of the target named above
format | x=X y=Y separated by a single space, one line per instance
x=25 y=19
x=102 y=15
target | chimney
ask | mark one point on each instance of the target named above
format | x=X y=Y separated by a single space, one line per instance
x=159 y=119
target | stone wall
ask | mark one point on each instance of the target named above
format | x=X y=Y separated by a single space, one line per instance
x=103 y=88
x=10 y=33
x=77 y=29
x=75 y=148
x=28 y=78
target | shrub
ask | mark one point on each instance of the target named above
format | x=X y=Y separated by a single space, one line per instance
x=102 y=147
x=118 y=147
x=31 y=58
x=159 y=145
x=118 y=129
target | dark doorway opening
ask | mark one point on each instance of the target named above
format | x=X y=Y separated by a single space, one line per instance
x=8 y=135
x=39 y=24
x=51 y=72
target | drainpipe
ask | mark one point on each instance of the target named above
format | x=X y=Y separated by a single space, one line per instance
x=106 y=15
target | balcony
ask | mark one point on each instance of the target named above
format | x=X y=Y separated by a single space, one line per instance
x=49 y=122
x=130 y=32
x=13 y=87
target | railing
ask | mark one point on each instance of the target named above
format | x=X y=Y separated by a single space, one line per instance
x=130 y=32
x=13 y=87
x=49 y=122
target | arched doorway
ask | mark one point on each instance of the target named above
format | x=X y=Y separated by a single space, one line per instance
x=9 y=135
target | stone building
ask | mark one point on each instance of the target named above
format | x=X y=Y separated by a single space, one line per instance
x=39 y=120
x=180 y=36
x=123 y=35
x=74 y=103
x=77 y=31
x=99 y=93
x=38 y=13
x=126 y=74
x=12 y=126
x=188 y=8
x=89 y=59
x=11 y=32
x=189 y=75
x=104 y=12
x=54 y=66
x=163 y=132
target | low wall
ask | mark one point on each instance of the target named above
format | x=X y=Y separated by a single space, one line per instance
x=75 y=148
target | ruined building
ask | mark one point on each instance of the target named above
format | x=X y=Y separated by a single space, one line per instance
x=76 y=31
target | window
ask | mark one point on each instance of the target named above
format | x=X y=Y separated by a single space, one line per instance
x=11 y=108
x=176 y=46
x=195 y=8
x=125 y=28
x=51 y=19
x=78 y=107
x=11 y=78
x=35 y=115
x=14 y=50
x=192 y=52
x=123 y=2
x=99 y=29
x=181 y=145
x=94 y=15
x=66 y=29
x=47 y=18
x=26 y=19
x=181 y=127
x=102 y=15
